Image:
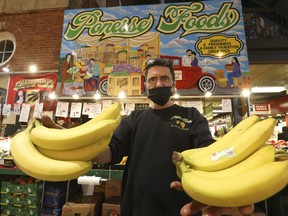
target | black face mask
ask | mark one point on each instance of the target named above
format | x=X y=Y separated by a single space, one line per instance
x=160 y=95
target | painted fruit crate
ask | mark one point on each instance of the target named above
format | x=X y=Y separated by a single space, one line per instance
x=131 y=85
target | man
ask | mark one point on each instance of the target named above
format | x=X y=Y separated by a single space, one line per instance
x=148 y=137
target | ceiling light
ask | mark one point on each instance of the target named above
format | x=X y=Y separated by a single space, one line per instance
x=176 y=95
x=33 y=68
x=6 y=69
x=75 y=96
x=246 y=92
x=268 y=89
x=97 y=95
x=52 y=95
x=122 y=94
x=208 y=94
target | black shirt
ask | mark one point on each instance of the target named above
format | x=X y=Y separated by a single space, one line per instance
x=148 y=137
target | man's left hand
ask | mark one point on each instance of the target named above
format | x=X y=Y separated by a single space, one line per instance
x=193 y=207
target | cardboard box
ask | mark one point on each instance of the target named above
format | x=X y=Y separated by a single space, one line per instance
x=84 y=206
x=83 y=209
x=113 y=191
x=110 y=209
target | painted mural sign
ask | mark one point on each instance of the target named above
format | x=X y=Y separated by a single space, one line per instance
x=205 y=42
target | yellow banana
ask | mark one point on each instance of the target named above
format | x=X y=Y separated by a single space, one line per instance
x=263 y=155
x=85 y=153
x=36 y=165
x=235 y=150
x=72 y=138
x=224 y=141
x=237 y=190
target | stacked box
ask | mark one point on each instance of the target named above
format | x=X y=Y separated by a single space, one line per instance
x=131 y=85
x=111 y=206
x=83 y=205
x=54 y=198
x=110 y=209
x=18 y=197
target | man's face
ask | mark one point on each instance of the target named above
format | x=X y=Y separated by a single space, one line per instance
x=189 y=53
x=158 y=76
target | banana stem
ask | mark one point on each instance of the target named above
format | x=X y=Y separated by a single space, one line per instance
x=29 y=128
x=178 y=161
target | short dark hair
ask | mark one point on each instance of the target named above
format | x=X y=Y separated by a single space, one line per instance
x=160 y=62
x=285 y=129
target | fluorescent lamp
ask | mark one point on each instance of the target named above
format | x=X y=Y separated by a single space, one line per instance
x=268 y=89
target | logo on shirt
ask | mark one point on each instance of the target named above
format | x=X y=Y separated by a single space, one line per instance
x=179 y=122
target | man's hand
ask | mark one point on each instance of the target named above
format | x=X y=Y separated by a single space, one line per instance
x=193 y=207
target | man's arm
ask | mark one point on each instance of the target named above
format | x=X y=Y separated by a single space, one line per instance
x=105 y=157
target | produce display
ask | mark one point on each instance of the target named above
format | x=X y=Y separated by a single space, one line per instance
x=30 y=148
x=281 y=149
x=239 y=169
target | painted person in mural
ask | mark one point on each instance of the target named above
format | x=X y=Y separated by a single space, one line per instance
x=148 y=57
x=95 y=74
x=236 y=72
x=150 y=185
x=194 y=61
x=187 y=58
x=65 y=75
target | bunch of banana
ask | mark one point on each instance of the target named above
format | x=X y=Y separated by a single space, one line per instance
x=80 y=136
x=228 y=152
x=55 y=156
x=250 y=174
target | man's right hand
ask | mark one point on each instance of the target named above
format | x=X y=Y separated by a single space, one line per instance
x=48 y=122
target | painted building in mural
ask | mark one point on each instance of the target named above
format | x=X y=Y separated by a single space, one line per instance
x=107 y=48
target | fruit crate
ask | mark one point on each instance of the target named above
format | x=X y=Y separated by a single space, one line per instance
x=32 y=189
x=131 y=85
